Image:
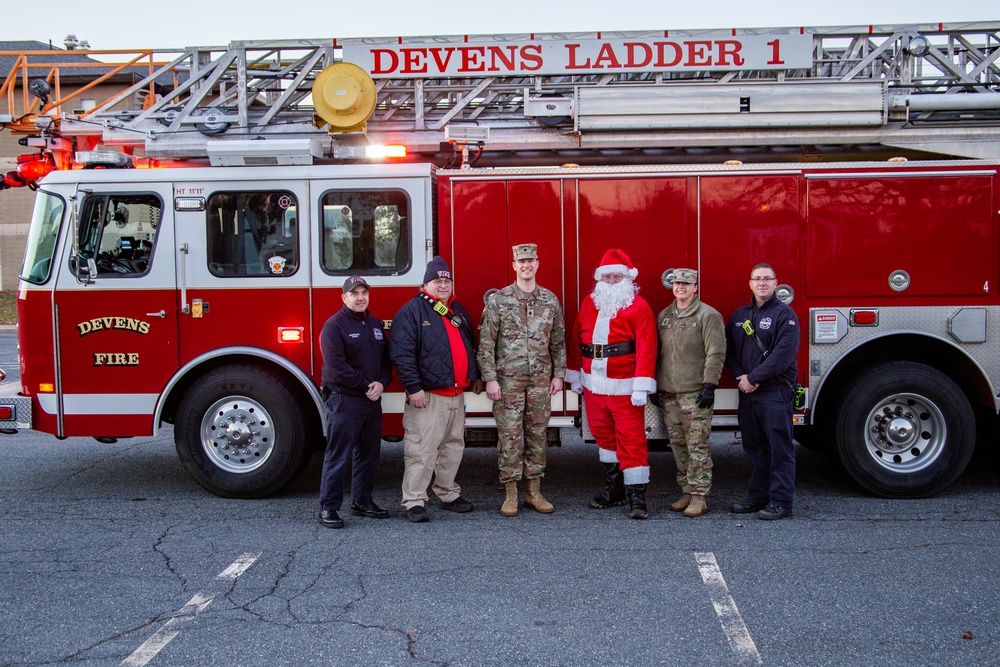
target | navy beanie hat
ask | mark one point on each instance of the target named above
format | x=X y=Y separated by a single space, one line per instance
x=437 y=268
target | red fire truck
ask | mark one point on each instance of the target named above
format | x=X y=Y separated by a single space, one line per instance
x=188 y=286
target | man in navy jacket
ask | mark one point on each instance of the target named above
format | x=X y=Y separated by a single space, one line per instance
x=433 y=348
x=762 y=341
x=356 y=370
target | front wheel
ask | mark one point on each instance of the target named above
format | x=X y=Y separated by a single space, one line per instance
x=241 y=431
x=904 y=430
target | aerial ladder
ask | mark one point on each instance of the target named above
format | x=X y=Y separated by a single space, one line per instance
x=922 y=89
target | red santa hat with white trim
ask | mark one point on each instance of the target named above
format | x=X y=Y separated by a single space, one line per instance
x=616 y=261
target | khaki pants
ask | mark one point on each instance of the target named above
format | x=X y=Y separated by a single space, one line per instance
x=432 y=446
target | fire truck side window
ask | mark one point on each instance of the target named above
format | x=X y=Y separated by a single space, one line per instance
x=118 y=231
x=366 y=231
x=253 y=234
x=42 y=236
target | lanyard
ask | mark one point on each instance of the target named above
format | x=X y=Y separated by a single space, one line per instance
x=442 y=310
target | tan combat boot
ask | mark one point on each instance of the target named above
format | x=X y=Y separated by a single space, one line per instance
x=697 y=507
x=533 y=498
x=681 y=503
x=509 y=507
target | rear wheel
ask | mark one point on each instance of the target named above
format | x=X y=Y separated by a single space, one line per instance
x=241 y=431
x=904 y=430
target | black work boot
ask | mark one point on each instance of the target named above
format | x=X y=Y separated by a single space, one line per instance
x=614 y=493
x=637 y=501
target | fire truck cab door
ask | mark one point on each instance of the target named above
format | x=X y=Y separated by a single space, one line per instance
x=116 y=330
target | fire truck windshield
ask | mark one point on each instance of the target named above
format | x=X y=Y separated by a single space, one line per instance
x=42 y=237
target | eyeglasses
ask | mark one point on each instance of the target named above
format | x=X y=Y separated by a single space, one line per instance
x=762 y=279
x=612 y=277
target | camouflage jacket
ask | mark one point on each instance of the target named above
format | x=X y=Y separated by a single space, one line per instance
x=692 y=347
x=522 y=336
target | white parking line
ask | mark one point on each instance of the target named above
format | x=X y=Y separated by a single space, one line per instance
x=239 y=566
x=152 y=646
x=725 y=607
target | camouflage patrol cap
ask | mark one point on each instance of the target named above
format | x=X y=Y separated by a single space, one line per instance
x=526 y=251
x=685 y=276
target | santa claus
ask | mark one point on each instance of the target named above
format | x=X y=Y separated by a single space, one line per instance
x=612 y=361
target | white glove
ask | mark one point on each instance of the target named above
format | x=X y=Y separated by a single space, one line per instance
x=639 y=398
x=577 y=387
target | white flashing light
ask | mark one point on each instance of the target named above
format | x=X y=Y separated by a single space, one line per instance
x=189 y=203
x=373 y=152
x=389 y=150
x=103 y=159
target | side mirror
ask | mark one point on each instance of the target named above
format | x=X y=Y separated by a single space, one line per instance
x=84 y=270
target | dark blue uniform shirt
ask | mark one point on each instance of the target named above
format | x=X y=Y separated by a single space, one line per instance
x=778 y=329
x=355 y=352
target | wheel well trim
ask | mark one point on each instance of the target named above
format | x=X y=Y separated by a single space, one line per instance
x=841 y=359
x=243 y=351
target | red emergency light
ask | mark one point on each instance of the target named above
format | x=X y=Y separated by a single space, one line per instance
x=11 y=180
x=31 y=168
x=864 y=317
x=34 y=169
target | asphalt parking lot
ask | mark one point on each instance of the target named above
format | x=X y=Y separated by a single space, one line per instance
x=110 y=554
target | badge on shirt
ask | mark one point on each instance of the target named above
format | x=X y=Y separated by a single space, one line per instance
x=765 y=323
x=377 y=333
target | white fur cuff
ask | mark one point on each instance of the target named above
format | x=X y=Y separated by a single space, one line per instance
x=607 y=455
x=638 y=475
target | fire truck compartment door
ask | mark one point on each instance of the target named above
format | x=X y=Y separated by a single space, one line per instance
x=117 y=335
x=865 y=229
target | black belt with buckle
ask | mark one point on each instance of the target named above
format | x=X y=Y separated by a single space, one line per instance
x=605 y=351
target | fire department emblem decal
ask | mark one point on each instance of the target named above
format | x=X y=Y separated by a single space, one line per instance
x=765 y=323
x=276 y=264
x=377 y=333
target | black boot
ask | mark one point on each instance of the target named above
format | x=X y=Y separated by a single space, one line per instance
x=637 y=501
x=614 y=493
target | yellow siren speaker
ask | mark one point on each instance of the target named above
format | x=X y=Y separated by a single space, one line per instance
x=344 y=96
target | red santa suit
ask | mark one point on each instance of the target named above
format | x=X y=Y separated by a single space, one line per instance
x=615 y=387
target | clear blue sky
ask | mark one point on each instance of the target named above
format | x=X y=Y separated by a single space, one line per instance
x=112 y=24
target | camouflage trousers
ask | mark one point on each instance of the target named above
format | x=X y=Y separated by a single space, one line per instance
x=689 y=427
x=522 y=412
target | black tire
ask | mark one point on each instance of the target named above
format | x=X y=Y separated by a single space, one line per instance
x=243 y=432
x=904 y=430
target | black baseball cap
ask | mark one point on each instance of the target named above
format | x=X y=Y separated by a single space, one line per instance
x=355 y=281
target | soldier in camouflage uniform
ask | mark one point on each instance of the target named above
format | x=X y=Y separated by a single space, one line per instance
x=692 y=352
x=522 y=356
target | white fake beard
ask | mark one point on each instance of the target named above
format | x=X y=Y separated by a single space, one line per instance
x=612 y=297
